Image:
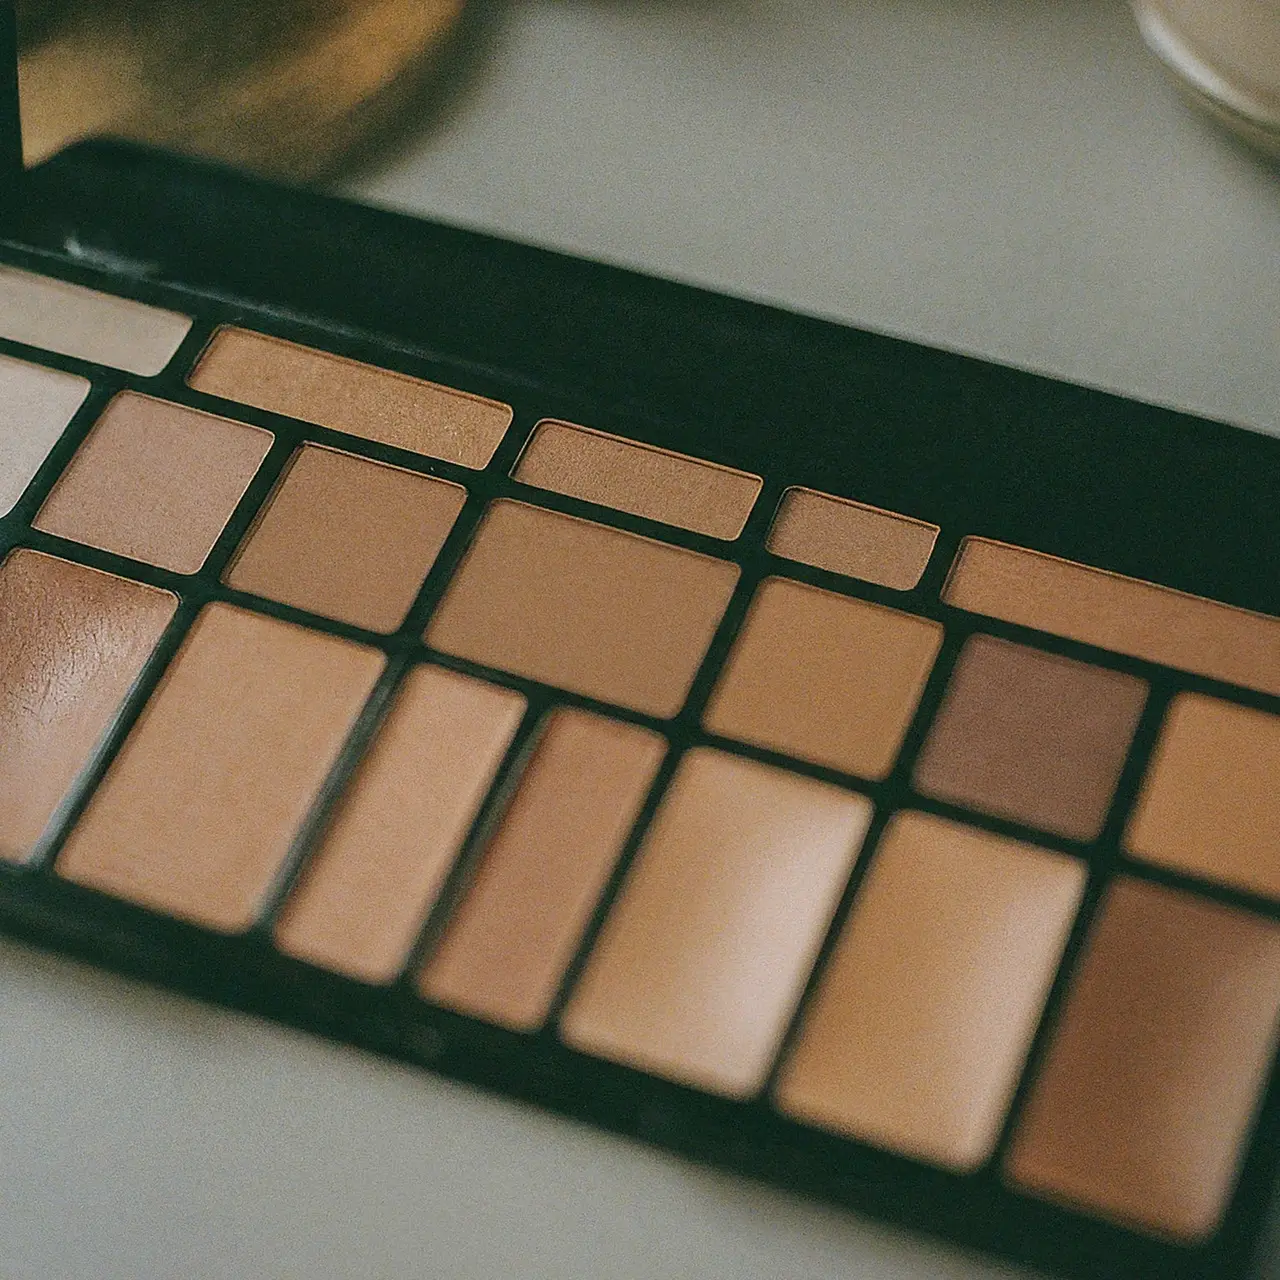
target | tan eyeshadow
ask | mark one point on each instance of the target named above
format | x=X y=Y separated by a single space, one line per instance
x=384 y=856
x=512 y=937
x=346 y=395
x=592 y=609
x=72 y=642
x=851 y=538
x=1154 y=1072
x=347 y=538
x=1125 y=615
x=36 y=407
x=824 y=677
x=199 y=808
x=638 y=478
x=1031 y=736
x=921 y=1024
x=88 y=325
x=704 y=956
x=1210 y=805
x=155 y=481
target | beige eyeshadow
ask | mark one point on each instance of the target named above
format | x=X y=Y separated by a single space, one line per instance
x=1125 y=615
x=385 y=854
x=514 y=933
x=824 y=677
x=639 y=478
x=1154 y=1072
x=155 y=481
x=72 y=642
x=347 y=538
x=1210 y=804
x=347 y=395
x=199 y=808
x=703 y=958
x=851 y=538
x=36 y=407
x=592 y=609
x=99 y=327
x=920 y=1026
x=1031 y=736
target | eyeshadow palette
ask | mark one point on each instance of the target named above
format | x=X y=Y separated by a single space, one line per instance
x=849 y=763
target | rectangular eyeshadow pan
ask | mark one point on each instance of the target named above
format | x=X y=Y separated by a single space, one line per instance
x=36 y=406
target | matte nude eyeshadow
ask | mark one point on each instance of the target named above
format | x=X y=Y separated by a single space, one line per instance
x=72 y=642
x=36 y=407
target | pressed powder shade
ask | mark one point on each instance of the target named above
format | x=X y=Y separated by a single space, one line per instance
x=824 y=677
x=1210 y=805
x=1154 y=1071
x=199 y=808
x=346 y=395
x=398 y=829
x=36 y=407
x=155 y=481
x=918 y=1030
x=592 y=609
x=347 y=538
x=72 y=642
x=706 y=951
x=511 y=938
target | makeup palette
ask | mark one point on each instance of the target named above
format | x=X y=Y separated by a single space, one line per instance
x=852 y=764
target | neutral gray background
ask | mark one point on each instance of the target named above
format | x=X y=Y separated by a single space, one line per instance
x=1009 y=177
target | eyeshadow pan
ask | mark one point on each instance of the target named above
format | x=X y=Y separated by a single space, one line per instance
x=199 y=807
x=585 y=607
x=824 y=677
x=513 y=935
x=1154 y=1071
x=347 y=538
x=36 y=407
x=919 y=1028
x=99 y=327
x=1210 y=804
x=347 y=395
x=155 y=481
x=72 y=642
x=365 y=894
x=1031 y=736
x=707 y=949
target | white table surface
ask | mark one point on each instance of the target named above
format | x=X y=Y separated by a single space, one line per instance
x=1008 y=177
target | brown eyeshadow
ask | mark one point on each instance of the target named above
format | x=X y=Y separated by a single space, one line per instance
x=1031 y=736
x=379 y=867
x=347 y=538
x=155 y=481
x=585 y=607
x=921 y=1023
x=824 y=677
x=199 y=808
x=511 y=938
x=703 y=958
x=346 y=395
x=1210 y=805
x=36 y=407
x=72 y=642
x=1154 y=1071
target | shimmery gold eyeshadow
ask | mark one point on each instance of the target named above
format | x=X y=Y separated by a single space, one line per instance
x=348 y=538
x=851 y=538
x=919 y=1028
x=592 y=609
x=512 y=937
x=202 y=802
x=1124 y=615
x=824 y=677
x=1154 y=1071
x=36 y=406
x=72 y=642
x=1210 y=805
x=155 y=481
x=346 y=395
x=704 y=956
x=637 y=478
